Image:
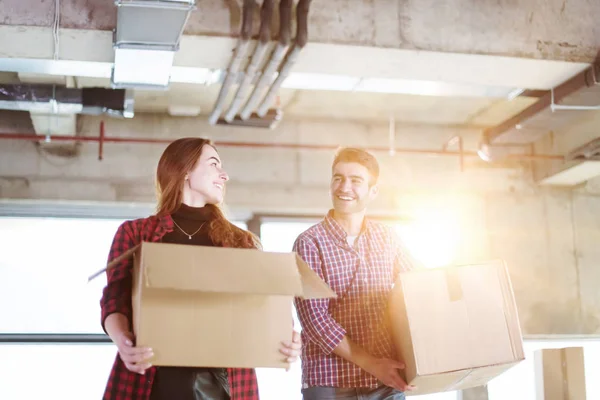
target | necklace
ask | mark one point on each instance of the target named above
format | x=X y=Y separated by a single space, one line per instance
x=188 y=235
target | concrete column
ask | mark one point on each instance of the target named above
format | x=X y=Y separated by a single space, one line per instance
x=476 y=393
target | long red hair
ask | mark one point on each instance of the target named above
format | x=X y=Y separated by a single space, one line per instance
x=177 y=160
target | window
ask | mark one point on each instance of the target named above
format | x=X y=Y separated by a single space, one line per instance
x=66 y=372
x=44 y=266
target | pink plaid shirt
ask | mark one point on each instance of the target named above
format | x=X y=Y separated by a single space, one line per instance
x=362 y=276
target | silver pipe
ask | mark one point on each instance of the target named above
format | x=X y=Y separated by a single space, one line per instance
x=230 y=76
x=285 y=33
x=265 y=79
x=234 y=66
x=283 y=73
x=568 y=107
x=249 y=76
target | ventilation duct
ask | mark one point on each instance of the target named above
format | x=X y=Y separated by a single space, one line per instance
x=582 y=164
x=53 y=99
x=146 y=38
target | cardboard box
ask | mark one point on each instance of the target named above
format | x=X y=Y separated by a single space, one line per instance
x=217 y=307
x=560 y=374
x=455 y=327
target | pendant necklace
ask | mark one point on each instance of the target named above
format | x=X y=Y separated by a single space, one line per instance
x=187 y=234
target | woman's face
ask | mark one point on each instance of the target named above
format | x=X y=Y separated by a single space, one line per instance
x=206 y=181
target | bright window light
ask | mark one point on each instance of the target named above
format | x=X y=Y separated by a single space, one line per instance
x=430 y=88
x=432 y=238
x=309 y=81
x=87 y=367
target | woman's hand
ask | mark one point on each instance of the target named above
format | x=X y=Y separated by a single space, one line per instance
x=134 y=358
x=292 y=349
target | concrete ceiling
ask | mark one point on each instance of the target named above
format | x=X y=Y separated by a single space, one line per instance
x=521 y=45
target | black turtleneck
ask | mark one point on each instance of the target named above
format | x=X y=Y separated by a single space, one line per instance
x=193 y=221
x=179 y=383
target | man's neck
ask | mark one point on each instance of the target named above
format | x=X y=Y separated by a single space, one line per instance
x=351 y=223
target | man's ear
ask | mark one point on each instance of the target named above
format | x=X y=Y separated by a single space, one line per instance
x=373 y=191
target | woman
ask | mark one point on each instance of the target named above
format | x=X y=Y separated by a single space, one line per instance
x=190 y=183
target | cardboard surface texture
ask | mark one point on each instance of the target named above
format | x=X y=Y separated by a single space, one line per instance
x=455 y=327
x=560 y=374
x=217 y=307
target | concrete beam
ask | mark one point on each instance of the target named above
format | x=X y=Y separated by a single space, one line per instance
x=540 y=29
x=90 y=53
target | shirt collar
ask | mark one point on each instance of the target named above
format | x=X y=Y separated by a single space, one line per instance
x=336 y=230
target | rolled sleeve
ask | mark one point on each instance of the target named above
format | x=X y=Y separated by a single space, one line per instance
x=317 y=324
x=116 y=295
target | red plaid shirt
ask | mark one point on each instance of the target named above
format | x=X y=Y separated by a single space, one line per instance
x=362 y=276
x=116 y=298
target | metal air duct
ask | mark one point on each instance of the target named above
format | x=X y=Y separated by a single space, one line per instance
x=54 y=99
x=146 y=38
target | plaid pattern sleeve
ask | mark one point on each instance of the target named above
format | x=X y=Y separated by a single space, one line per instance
x=317 y=324
x=403 y=259
x=116 y=296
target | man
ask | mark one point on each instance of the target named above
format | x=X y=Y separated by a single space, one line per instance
x=348 y=351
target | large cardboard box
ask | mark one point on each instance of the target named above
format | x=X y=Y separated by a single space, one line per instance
x=560 y=374
x=455 y=327
x=217 y=307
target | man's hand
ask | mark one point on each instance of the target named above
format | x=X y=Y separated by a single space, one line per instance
x=386 y=371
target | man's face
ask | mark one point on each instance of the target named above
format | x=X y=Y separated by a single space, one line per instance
x=351 y=190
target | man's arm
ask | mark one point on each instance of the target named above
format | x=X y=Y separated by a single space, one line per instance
x=320 y=327
x=317 y=324
x=403 y=259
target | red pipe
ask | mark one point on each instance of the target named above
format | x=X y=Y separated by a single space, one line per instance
x=101 y=141
x=293 y=146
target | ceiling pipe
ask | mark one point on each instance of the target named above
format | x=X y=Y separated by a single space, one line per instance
x=301 y=38
x=239 y=56
x=542 y=116
x=256 y=61
x=58 y=99
x=283 y=44
x=102 y=138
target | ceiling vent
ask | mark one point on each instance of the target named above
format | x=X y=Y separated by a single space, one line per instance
x=146 y=38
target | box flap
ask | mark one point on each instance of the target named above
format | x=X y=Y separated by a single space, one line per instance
x=313 y=286
x=218 y=269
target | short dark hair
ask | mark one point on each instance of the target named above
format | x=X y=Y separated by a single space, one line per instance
x=360 y=156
